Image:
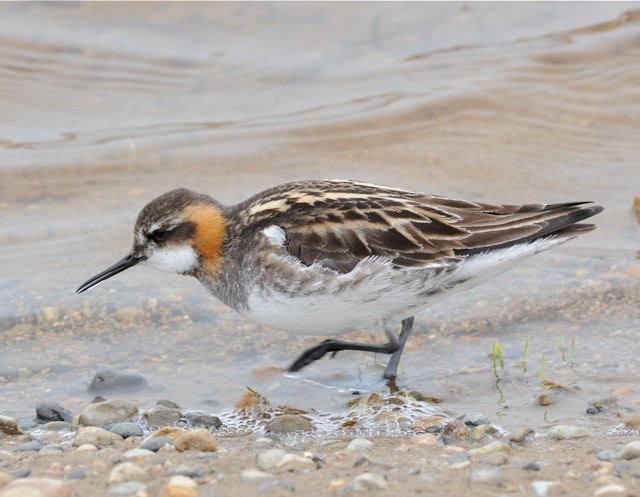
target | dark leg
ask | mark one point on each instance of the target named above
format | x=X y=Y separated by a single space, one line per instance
x=317 y=352
x=392 y=368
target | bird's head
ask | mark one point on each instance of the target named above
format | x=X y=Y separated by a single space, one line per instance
x=180 y=232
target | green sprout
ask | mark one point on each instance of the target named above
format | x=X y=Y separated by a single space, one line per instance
x=495 y=355
x=541 y=374
x=525 y=352
x=562 y=348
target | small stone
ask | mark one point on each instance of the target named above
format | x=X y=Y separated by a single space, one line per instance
x=289 y=423
x=52 y=450
x=293 y=459
x=127 y=429
x=495 y=446
x=613 y=489
x=51 y=314
x=168 y=403
x=180 y=486
x=619 y=469
x=547 y=398
x=425 y=440
x=541 y=488
x=520 y=435
x=36 y=487
x=368 y=481
x=107 y=381
x=52 y=411
x=9 y=426
x=475 y=419
x=34 y=445
x=137 y=455
x=605 y=403
x=623 y=391
x=359 y=445
x=608 y=454
x=59 y=426
x=21 y=473
x=456 y=429
x=278 y=483
x=632 y=422
x=127 y=471
x=128 y=314
x=481 y=431
x=92 y=435
x=562 y=432
x=155 y=444
x=109 y=411
x=128 y=488
x=531 y=466
x=630 y=450
x=495 y=459
x=264 y=443
x=162 y=416
x=190 y=471
x=459 y=465
x=201 y=419
x=253 y=475
x=76 y=474
x=197 y=439
x=86 y=448
x=5 y=479
x=270 y=458
x=489 y=476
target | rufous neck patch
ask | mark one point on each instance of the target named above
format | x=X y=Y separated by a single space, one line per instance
x=210 y=225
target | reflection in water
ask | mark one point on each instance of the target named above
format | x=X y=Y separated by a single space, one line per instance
x=102 y=112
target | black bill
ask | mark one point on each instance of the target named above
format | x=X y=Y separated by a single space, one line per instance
x=118 y=267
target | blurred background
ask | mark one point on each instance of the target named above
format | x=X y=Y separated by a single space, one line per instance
x=104 y=106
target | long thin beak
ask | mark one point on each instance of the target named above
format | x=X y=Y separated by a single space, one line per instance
x=118 y=267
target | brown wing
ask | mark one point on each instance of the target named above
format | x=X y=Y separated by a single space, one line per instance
x=339 y=223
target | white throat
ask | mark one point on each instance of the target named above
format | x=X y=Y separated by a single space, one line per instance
x=173 y=260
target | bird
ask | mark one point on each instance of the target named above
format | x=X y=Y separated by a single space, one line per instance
x=326 y=257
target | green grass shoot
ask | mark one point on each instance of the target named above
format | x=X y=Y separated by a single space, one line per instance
x=573 y=346
x=541 y=374
x=562 y=348
x=496 y=355
x=525 y=352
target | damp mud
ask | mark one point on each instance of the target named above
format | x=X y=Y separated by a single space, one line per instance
x=106 y=106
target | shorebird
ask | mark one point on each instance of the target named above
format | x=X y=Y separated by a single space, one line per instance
x=327 y=257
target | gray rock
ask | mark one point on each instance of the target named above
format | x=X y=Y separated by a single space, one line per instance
x=264 y=443
x=127 y=488
x=52 y=450
x=51 y=411
x=107 y=381
x=168 y=403
x=127 y=471
x=155 y=444
x=201 y=420
x=608 y=454
x=109 y=411
x=490 y=476
x=289 y=423
x=127 y=429
x=76 y=474
x=541 y=487
x=630 y=450
x=359 y=445
x=21 y=473
x=190 y=471
x=495 y=459
x=619 y=469
x=253 y=475
x=562 y=432
x=34 y=445
x=458 y=457
x=475 y=419
x=270 y=458
x=278 y=483
x=162 y=416
x=531 y=466
x=368 y=481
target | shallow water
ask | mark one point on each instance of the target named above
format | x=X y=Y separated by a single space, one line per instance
x=105 y=106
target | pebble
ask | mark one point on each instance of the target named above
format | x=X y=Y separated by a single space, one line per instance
x=630 y=450
x=127 y=471
x=490 y=476
x=610 y=490
x=180 y=486
x=531 y=466
x=623 y=391
x=547 y=399
x=633 y=421
x=128 y=314
x=481 y=431
x=109 y=411
x=52 y=411
x=86 y=448
x=368 y=481
x=21 y=472
x=520 y=435
x=359 y=445
x=289 y=423
x=495 y=459
x=52 y=450
x=76 y=474
x=197 y=439
x=263 y=443
x=59 y=426
x=9 y=426
x=201 y=419
x=253 y=475
x=619 y=469
x=155 y=444
x=604 y=403
x=107 y=381
x=495 y=446
x=162 y=416
x=36 y=487
x=128 y=488
x=425 y=440
x=270 y=458
x=475 y=419
x=5 y=479
x=34 y=445
x=137 y=454
x=541 y=487
x=127 y=429
x=190 y=471
x=92 y=435
x=562 y=432
x=608 y=454
x=278 y=483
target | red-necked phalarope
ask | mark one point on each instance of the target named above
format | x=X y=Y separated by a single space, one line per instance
x=331 y=256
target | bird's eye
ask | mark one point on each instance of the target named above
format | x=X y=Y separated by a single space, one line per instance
x=158 y=235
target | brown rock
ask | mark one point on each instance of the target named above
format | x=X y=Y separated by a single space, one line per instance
x=289 y=423
x=9 y=426
x=425 y=440
x=197 y=439
x=180 y=486
x=36 y=487
x=92 y=435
